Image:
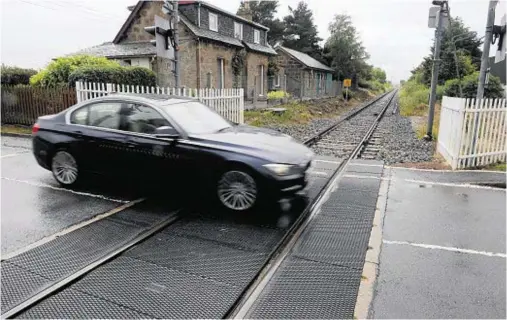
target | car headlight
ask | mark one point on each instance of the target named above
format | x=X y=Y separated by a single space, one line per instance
x=281 y=169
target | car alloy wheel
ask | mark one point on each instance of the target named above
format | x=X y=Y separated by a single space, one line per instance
x=237 y=190
x=64 y=168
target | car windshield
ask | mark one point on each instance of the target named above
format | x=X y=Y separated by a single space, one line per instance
x=196 y=118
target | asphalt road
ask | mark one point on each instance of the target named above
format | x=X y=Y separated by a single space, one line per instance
x=443 y=252
x=34 y=206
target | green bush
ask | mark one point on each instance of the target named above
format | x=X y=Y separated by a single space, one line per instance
x=58 y=71
x=350 y=94
x=469 y=87
x=276 y=95
x=14 y=75
x=414 y=97
x=113 y=74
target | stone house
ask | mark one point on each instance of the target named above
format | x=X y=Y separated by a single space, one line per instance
x=304 y=76
x=217 y=49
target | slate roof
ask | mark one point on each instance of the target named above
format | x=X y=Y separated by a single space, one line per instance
x=111 y=50
x=208 y=34
x=306 y=59
x=235 y=16
x=260 y=48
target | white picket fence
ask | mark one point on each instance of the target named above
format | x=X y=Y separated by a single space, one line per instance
x=227 y=102
x=472 y=132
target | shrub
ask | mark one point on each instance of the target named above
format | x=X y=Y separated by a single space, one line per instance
x=276 y=95
x=350 y=94
x=469 y=87
x=113 y=74
x=14 y=75
x=414 y=97
x=57 y=72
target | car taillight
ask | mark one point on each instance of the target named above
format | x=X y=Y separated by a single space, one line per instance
x=35 y=128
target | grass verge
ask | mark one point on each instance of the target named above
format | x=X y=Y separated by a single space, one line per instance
x=8 y=128
x=302 y=112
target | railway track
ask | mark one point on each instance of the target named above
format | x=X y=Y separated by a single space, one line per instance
x=228 y=267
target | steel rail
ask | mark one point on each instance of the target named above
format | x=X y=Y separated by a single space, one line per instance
x=65 y=282
x=250 y=294
x=311 y=141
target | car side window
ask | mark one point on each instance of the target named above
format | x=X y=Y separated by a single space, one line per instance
x=104 y=115
x=142 y=119
x=80 y=116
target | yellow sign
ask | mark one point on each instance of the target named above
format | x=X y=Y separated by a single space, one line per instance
x=347 y=82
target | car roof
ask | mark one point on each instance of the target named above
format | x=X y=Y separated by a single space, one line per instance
x=157 y=99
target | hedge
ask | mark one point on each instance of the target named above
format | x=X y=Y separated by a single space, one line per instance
x=113 y=74
x=14 y=75
x=56 y=74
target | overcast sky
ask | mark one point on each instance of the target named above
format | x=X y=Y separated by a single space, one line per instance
x=394 y=32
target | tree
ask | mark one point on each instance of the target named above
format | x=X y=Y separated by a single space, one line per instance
x=301 y=33
x=379 y=75
x=263 y=12
x=344 y=51
x=468 y=54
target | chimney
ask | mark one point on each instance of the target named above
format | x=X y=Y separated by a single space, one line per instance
x=244 y=11
x=130 y=8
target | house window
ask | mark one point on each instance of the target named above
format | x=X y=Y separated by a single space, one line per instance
x=238 y=31
x=277 y=80
x=261 y=78
x=213 y=22
x=128 y=62
x=257 y=36
x=221 y=73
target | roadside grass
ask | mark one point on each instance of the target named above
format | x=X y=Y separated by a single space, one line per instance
x=421 y=128
x=302 y=112
x=7 y=128
x=495 y=167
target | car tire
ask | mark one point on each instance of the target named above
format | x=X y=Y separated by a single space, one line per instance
x=238 y=190
x=65 y=168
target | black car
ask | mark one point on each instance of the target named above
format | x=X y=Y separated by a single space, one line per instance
x=173 y=140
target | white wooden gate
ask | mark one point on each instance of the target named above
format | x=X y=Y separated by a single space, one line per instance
x=227 y=102
x=472 y=132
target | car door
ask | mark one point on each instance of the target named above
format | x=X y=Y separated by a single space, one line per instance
x=104 y=142
x=153 y=158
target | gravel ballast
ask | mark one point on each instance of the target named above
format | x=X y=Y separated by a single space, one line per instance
x=399 y=141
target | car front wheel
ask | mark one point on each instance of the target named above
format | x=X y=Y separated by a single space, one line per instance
x=64 y=168
x=237 y=190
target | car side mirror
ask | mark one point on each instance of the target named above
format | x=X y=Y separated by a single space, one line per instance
x=166 y=132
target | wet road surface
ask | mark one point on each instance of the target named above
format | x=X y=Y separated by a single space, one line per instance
x=443 y=252
x=34 y=206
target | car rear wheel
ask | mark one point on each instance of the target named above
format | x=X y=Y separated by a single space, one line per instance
x=237 y=190
x=64 y=168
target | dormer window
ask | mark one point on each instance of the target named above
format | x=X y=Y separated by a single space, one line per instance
x=213 y=22
x=238 y=31
x=257 y=36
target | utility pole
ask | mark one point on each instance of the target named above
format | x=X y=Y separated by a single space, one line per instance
x=485 y=52
x=484 y=68
x=436 y=65
x=176 y=45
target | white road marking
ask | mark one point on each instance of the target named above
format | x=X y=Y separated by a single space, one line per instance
x=460 y=250
x=360 y=177
x=327 y=161
x=70 y=229
x=431 y=170
x=365 y=164
x=38 y=184
x=13 y=154
x=317 y=173
x=448 y=184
